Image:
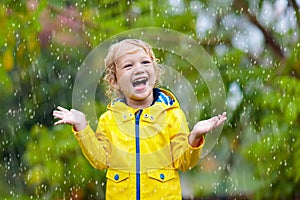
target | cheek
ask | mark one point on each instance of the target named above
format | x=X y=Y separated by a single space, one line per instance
x=155 y=74
x=123 y=80
x=119 y=76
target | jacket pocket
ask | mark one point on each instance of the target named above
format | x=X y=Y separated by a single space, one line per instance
x=161 y=175
x=117 y=175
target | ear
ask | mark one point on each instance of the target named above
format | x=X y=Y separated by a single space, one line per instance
x=114 y=84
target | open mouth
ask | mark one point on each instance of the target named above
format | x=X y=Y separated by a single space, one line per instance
x=139 y=82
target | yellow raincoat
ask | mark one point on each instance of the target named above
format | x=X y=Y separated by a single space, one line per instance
x=143 y=149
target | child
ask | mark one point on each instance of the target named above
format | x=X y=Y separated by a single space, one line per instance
x=142 y=138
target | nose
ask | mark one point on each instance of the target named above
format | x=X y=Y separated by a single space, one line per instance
x=139 y=69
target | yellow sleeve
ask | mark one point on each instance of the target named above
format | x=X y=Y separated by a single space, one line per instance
x=94 y=146
x=185 y=157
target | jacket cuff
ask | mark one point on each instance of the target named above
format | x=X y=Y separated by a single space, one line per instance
x=83 y=132
x=202 y=140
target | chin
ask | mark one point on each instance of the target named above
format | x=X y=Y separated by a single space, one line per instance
x=142 y=95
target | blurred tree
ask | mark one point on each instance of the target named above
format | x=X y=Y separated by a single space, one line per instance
x=255 y=45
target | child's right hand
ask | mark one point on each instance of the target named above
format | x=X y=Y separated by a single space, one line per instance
x=72 y=117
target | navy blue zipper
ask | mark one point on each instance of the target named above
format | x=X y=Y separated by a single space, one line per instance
x=137 y=151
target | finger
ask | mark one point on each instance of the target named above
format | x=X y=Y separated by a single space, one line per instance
x=214 y=121
x=57 y=112
x=58 y=115
x=221 y=121
x=62 y=121
x=223 y=116
x=214 y=118
x=59 y=122
x=62 y=109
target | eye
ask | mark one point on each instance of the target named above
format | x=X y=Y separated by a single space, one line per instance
x=146 y=62
x=127 y=66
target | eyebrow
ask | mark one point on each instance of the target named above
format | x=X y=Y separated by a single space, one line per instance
x=143 y=57
x=147 y=57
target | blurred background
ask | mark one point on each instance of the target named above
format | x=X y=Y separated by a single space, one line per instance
x=254 y=44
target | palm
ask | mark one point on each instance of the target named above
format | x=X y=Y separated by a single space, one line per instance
x=65 y=116
x=72 y=117
x=205 y=126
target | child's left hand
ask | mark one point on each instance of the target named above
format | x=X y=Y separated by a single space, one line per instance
x=203 y=127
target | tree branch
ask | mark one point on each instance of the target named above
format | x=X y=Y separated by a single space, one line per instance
x=241 y=5
x=296 y=9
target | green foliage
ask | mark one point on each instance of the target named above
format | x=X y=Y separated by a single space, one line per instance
x=41 y=50
x=54 y=159
x=265 y=125
x=276 y=151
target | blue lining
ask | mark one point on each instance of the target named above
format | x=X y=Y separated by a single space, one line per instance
x=137 y=156
x=161 y=97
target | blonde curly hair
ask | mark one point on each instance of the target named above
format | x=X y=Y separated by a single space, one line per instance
x=116 y=51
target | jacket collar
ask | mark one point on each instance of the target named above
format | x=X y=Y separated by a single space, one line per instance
x=163 y=100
